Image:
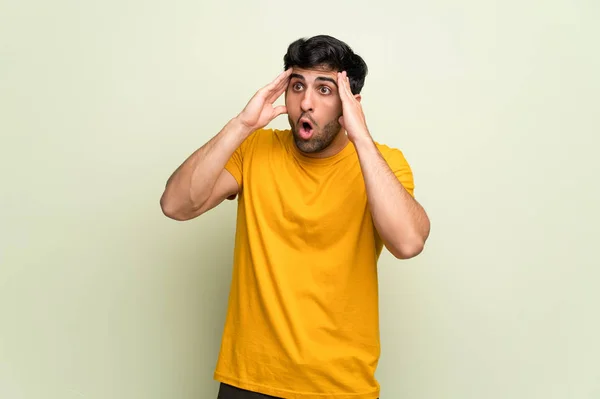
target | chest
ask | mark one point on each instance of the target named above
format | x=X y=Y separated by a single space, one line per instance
x=317 y=203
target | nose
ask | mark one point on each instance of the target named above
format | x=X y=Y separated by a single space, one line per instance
x=307 y=102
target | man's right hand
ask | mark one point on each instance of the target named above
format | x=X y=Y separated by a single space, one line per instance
x=201 y=182
x=260 y=110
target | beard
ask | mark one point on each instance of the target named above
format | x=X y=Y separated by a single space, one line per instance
x=321 y=138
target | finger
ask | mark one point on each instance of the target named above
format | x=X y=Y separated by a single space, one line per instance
x=344 y=84
x=283 y=75
x=347 y=85
x=275 y=84
x=279 y=86
x=281 y=79
x=274 y=95
x=279 y=110
x=287 y=73
x=342 y=87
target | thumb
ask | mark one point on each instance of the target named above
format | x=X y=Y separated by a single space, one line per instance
x=279 y=110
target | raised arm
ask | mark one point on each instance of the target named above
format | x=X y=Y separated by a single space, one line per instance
x=201 y=182
x=400 y=220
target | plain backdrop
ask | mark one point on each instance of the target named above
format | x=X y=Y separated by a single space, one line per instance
x=494 y=104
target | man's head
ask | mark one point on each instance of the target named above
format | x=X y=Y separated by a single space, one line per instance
x=312 y=99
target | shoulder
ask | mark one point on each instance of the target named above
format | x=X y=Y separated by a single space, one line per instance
x=391 y=155
x=265 y=142
x=399 y=166
x=268 y=136
x=256 y=139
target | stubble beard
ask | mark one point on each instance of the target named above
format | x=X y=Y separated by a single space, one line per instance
x=321 y=138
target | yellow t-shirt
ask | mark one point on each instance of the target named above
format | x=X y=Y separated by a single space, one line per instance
x=303 y=319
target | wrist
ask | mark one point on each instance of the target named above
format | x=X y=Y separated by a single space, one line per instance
x=363 y=140
x=239 y=126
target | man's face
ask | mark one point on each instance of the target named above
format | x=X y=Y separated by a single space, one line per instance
x=313 y=107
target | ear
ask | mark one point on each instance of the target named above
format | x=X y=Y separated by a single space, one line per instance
x=358 y=97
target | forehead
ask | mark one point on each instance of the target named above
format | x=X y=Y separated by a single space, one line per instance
x=312 y=74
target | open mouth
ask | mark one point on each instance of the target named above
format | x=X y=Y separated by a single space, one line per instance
x=306 y=129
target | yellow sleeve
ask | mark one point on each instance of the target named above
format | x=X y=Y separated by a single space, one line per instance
x=398 y=164
x=235 y=164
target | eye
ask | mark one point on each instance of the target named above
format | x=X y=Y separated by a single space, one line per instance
x=325 y=90
x=297 y=86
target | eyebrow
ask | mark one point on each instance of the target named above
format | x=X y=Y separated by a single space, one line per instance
x=325 y=78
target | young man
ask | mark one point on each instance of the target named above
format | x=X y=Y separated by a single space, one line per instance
x=316 y=205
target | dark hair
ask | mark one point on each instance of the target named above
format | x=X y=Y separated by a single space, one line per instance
x=324 y=51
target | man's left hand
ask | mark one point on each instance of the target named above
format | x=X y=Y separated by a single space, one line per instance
x=353 y=118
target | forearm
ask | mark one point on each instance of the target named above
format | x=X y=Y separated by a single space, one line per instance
x=192 y=183
x=399 y=219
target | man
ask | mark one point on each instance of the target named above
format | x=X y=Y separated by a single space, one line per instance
x=316 y=205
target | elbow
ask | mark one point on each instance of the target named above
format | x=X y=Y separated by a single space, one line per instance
x=171 y=209
x=408 y=242
x=407 y=249
x=412 y=245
